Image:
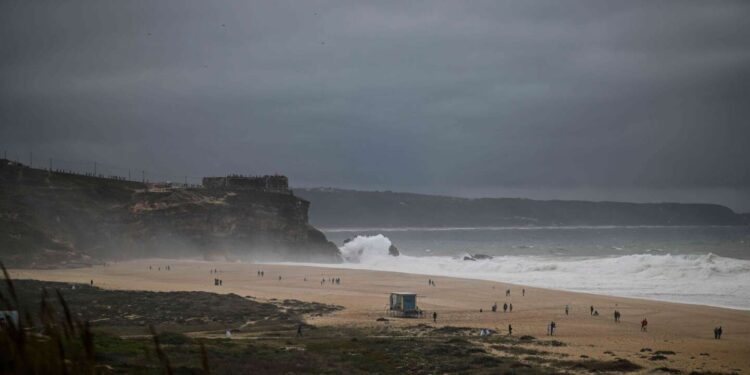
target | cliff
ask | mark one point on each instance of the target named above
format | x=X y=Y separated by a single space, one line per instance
x=349 y=208
x=51 y=219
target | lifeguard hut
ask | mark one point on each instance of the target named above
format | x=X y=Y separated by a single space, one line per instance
x=404 y=304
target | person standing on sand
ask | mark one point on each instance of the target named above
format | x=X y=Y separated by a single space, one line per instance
x=566 y=309
x=720 y=331
x=505 y=307
x=510 y=307
x=92 y=282
x=644 y=325
x=523 y=292
x=494 y=307
x=592 y=309
x=510 y=330
x=552 y=327
x=434 y=317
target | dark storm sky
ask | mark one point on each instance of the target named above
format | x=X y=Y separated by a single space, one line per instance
x=637 y=100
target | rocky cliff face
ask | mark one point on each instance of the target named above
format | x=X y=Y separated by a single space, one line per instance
x=54 y=219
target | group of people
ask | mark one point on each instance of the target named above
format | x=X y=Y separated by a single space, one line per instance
x=717 y=333
x=332 y=280
x=506 y=307
x=430 y=282
x=167 y=268
x=261 y=273
x=218 y=282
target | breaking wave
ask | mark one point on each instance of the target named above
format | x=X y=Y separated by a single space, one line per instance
x=706 y=279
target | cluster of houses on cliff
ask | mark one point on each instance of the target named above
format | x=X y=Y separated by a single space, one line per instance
x=268 y=183
x=272 y=183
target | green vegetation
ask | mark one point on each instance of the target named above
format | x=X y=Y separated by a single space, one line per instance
x=86 y=330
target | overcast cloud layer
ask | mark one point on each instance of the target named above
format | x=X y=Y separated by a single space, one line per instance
x=627 y=100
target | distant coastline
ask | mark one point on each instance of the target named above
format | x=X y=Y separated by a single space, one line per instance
x=560 y=227
x=339 y=208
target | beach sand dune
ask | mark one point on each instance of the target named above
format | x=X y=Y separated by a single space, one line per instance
x=686 y=330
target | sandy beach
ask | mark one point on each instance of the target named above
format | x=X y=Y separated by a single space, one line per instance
x=684 y=329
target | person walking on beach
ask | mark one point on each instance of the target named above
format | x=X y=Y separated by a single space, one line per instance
x=507 y=292
x=617 y=316
x=510 y=330
x=505 y=307
x=552 y=327
x=510 y=307
x=523 y=292
x=494 y=307
x=644 y=325
x=566 y=309
x=592 y=309
x=434 y=317
x=719 y=331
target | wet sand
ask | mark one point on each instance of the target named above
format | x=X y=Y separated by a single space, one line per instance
x=684 y=329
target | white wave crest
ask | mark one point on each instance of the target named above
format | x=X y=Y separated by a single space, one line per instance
x=702 y=278
x=364 y=248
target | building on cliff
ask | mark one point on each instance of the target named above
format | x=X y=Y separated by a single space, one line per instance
x=273 y=184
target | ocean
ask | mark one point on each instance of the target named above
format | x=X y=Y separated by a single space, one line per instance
x=708 y=265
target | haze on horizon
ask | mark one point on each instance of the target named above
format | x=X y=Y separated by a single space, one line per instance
x=631 y=101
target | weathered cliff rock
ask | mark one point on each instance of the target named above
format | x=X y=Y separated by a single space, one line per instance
x=393 y=251
x=57 y=219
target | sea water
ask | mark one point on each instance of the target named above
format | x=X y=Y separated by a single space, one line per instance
x=700 y=265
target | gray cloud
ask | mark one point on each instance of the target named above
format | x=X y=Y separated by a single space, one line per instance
x=636 y=100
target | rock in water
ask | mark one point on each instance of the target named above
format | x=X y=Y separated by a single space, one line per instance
x=393 y=251
x=482 y=256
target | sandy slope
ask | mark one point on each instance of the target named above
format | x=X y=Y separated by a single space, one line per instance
x=684 y=329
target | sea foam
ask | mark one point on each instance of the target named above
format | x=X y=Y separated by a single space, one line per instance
x=705 y=279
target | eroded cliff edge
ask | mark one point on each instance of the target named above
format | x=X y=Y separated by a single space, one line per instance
x=52 y=219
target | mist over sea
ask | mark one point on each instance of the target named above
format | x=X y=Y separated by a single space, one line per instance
x=707 y=265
